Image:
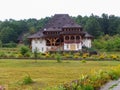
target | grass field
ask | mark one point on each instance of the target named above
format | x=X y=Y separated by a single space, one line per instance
x=46 y=73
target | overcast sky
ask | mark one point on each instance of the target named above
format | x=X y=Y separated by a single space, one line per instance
x=24 y=9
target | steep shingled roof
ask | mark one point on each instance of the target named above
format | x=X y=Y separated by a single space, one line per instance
x=56 y=23
x=61 y=20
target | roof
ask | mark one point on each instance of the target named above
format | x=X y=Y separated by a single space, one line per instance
x=20 y=38
x=88 y=35
x=56 y=23
x=59 y=21
x=39 y=34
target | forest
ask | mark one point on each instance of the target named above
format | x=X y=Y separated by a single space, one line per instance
x=98 y=26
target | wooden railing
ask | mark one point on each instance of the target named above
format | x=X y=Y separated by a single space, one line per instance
x=56 y=48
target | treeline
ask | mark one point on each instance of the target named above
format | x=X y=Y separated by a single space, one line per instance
x=97 y=26
x=100 y=25
x=10 y=30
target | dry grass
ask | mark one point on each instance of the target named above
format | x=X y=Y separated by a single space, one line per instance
x=46 y=73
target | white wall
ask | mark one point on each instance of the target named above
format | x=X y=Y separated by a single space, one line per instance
x=40 y=44
x=87 y=42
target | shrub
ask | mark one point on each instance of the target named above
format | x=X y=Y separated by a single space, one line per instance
x=58 y=58
x=47 y=55
x=95 y=80
x=24 y=50
x=27 y=80
x=27 y=54
x=83 y=61
x=19 y=55
x=3 y=55
x=88 y=87
x=85 y=55
x=76 y=56
x=114 y=57
x=10 y=45
x=12 y=55
x=101 y=56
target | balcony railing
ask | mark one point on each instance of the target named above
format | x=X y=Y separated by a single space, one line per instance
x=72 y=41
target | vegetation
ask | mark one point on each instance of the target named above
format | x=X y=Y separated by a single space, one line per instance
x=25 y=53
x=94 y=80
x=47 y=73
x=107 y=43
x=24 y=50
x=58 y=57
x=11 y=30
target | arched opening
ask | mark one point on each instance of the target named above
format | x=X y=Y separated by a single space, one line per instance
x=72 y=37
x=67 y=38
x=77 y=37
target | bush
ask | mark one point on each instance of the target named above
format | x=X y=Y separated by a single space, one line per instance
x=58 y=58
x=3 y=55
x=19 y=55
x=114 y=57
x=102 y=56
x=24 y=50
x=83 y=61
x=27 y=80
x=85 y=55
x=27 y=54
x=10 y=45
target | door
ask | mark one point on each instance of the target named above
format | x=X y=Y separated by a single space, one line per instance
x=72 y=47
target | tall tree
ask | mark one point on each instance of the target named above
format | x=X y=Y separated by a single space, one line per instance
x=104 y=22
x=93 y=27
x=7 y=35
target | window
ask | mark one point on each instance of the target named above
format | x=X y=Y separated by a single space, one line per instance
x=42 y=49
x=67 y=46
x=40 y=40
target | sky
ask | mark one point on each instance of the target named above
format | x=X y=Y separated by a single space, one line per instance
x=25 y=9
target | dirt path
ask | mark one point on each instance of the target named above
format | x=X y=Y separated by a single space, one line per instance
x=112 y=85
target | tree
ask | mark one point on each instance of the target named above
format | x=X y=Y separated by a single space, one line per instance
x=7 y=35
x=0 y=44
x=104 y=22
x=113 y=25
x=93 y=27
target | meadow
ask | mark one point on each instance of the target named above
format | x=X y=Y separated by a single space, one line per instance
x=46 y=73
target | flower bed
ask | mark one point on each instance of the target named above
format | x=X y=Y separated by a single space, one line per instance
x=93 y=81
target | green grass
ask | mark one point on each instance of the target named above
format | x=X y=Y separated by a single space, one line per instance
x=46 y=73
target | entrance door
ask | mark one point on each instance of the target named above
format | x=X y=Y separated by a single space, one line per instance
x=72 y=47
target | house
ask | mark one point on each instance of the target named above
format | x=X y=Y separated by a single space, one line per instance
x=61 y=33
